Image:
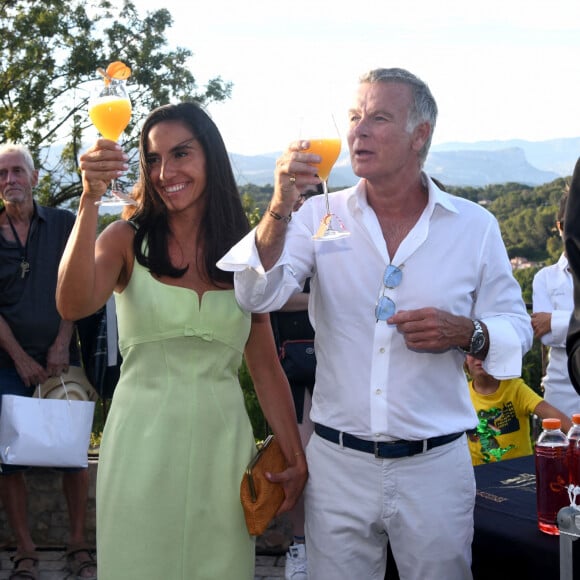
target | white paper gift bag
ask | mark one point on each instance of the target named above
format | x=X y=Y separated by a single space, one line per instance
x=45 y=432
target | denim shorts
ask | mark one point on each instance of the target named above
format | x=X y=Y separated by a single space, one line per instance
x=11 y=384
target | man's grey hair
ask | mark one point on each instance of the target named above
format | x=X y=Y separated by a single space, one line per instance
x=423 y=109
x=23 y=150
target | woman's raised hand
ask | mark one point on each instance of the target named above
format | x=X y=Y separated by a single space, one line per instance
x=102 y=163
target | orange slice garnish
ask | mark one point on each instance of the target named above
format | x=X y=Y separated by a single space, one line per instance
x=116 y=70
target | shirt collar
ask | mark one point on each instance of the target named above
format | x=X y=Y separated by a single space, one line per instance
x=39 y=211
x=563 y=262
x=438 y=196
x=357 y=196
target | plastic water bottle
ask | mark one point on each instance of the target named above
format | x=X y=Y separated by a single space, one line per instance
x=552 y=475
x=574 y=450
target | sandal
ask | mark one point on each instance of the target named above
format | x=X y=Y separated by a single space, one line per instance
x=24 y=571
x=77 y=565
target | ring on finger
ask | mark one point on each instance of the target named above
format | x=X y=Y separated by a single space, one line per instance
x=292 y=178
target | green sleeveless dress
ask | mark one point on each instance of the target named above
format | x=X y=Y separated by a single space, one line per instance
x=177 y=439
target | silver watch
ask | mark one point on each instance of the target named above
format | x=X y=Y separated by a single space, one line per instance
x=477 y=342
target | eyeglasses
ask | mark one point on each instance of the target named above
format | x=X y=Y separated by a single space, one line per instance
x=385 y=307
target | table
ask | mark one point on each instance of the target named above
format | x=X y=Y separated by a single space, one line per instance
x=507 y=543
x=507 y=537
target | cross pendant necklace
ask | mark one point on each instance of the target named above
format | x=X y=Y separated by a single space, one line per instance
x=24 y=263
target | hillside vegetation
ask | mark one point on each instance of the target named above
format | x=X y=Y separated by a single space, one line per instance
x=526 y=214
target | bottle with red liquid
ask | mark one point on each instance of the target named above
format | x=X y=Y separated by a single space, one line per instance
x=574 y=450
x=552 y=475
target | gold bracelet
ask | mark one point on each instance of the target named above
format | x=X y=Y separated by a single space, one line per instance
x=298 y=453
x=277 y=216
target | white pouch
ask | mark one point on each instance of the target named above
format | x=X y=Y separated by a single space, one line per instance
x=45 y=432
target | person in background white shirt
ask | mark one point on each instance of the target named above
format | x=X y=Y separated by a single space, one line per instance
x=422 y=276
x=553 y=303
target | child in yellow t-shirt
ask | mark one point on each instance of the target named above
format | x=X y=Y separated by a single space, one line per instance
x=503 y=410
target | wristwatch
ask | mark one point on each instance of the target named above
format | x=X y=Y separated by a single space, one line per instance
x=477 y=339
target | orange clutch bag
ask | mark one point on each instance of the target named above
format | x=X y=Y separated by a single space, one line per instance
x=261 y=498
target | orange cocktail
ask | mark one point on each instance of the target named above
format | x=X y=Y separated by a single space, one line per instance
x=111 y=115
x=329 y=150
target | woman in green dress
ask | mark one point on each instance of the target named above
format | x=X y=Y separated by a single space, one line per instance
x=177 y=437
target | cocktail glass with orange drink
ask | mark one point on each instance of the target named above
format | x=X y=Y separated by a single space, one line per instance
x=325 y=142
x=110 y=113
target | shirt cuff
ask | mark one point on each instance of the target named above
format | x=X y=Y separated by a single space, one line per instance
x=559 y=324
x=242 y=256
x=504 y=358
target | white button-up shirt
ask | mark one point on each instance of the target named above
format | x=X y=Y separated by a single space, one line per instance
x=553 y=292
x=368 y=383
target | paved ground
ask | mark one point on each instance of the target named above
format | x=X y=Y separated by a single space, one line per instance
x=53 y=566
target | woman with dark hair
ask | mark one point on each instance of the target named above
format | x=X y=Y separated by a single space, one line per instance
x=177 y=437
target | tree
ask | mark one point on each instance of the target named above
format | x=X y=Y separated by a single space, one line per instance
x=49 y=54
x=526 y=215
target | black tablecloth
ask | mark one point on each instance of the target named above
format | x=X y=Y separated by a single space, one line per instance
x=507 y=543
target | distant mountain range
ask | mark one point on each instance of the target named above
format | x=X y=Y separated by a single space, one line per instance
x=457 y=164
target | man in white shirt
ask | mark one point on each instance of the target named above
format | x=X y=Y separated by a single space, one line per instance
x=422 y=276
x=553 y=304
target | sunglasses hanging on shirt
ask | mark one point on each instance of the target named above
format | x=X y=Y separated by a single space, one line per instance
x=385 y=307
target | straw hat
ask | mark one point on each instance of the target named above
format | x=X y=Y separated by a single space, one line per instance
x=77 y=386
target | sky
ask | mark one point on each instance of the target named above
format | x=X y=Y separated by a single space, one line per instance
x=499 y=69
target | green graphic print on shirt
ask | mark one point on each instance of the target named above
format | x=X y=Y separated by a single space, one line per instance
x=503 y=422
x=487 y=431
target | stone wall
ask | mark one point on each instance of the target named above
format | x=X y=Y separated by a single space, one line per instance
x=48 y=515
x=47 y=511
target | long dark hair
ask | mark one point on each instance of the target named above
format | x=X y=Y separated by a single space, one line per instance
x=224 y=221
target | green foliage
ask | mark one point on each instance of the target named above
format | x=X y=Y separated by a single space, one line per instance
x=252 y=209
x=554 y=248
x=525 y=277
x=98 y=422
x=259 y=423
x=257 y=196
x=527 y=216
x=50 y=52
x=532 y=367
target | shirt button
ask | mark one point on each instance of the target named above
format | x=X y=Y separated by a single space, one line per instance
x=382 y=350
x=378 y=391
